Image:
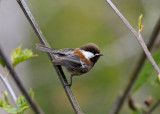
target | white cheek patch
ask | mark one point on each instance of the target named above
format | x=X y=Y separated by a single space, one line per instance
x=87 y=54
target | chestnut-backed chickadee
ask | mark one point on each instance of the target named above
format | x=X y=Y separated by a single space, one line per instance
x=77 y=61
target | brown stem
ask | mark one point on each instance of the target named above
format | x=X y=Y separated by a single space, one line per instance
x=58 y=69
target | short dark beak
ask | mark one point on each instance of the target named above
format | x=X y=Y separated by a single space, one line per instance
x=101 y=54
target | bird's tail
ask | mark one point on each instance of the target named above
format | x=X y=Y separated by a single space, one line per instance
x=44 y=48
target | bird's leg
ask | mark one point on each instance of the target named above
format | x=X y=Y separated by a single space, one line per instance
x=70 y=84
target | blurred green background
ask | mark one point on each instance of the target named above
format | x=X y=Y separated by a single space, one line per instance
x=70 y=24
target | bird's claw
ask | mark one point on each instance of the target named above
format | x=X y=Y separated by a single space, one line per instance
x=68 y=85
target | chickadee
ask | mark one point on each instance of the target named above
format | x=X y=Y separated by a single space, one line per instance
x=77 y=61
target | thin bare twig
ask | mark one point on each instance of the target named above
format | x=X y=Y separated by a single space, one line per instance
x=19 y=83
x=8 y=86
x=137 y=35
x=120 y=100
x=58 y=69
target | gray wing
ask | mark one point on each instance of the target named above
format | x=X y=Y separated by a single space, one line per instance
x=61 y=52
x=68 y=61
x=72 y=62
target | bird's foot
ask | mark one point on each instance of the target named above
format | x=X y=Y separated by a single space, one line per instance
x=68 y=85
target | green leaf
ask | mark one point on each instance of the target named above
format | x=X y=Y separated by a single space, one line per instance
x=139 y=109
x=140 y=20
x=140 y=23
x=1 y=102
x=146 y=72
x=22 y=109
x=155 y=82
x=136 y=112
x=10 y=109
x=31 y=93
x=21 y=101
x=6 y=97
x=18 y=55
x=2 y=62
x=22 y=104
